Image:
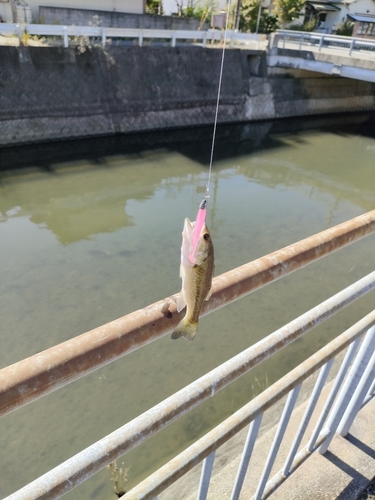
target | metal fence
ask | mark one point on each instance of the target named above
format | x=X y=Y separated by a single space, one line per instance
x=38 y=375
x=358 y=389
x=318 y=41
x=104 y=35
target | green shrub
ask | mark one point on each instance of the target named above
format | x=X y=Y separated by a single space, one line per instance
x=249 y=17
x=345 y=28
x=309 y=26
x=288 y=10
x=154 y=7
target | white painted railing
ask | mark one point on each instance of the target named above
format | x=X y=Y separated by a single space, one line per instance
x=104 y=34
x=318 y=41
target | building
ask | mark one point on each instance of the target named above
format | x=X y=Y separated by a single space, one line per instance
x=28 y=11
x=328 y=15
x=364 y=25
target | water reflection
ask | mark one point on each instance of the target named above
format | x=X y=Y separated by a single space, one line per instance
x=90 y=197
x=92 y=230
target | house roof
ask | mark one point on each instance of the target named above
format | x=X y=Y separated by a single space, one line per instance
x=323 y=6
x=366 y=18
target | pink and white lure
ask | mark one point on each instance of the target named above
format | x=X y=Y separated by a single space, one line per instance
x=198 y=226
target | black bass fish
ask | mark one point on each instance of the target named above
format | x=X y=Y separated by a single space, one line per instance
x=196 y=271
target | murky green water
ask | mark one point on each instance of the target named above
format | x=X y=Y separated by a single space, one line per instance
x=90 y=231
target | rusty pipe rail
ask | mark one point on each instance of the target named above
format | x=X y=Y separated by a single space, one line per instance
x=178 y=466
x=45 y=372
x=77 y=469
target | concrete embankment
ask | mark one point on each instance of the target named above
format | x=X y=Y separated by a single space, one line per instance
x=49 y=93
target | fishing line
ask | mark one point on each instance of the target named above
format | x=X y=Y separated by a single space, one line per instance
x=207 y=195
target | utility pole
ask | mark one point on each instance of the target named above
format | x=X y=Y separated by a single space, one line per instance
x=259 y=12
x=237 y=15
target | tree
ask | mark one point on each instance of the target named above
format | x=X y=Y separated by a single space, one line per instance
x=288 y=10
x=154 y=7
x=345 y=28
x=198 y=9
x=249 y=18
x=188 y=10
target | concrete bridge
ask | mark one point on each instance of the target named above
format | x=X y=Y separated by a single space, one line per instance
x=329 y=54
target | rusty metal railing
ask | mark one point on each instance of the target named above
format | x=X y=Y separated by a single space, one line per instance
x=27 y=380
x=47 y=371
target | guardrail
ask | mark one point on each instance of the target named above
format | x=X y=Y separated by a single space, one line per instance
x=317 y=41
x=105 y=34
x=39 y=375
x=351 y=398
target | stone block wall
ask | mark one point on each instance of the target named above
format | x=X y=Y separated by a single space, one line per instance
x=52 y=93
x=86 y=17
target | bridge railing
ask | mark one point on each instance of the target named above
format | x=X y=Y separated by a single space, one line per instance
x=105 y=34
x=50 y=370
x=318 y=41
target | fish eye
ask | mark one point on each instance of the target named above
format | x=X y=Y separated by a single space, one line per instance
x=206 y=236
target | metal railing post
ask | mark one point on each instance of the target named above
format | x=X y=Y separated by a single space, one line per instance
x=140 y=38
x=208 y=463
x=358 y=397
x=371 y=392
x=323 y=374
x=285 y=417
x=333 y=393
x=246 y=455
x=361 y=361
x=232 y=40
x=103 y=37
x=321 y=43
x=204 y=41
x=173 y=39
x=65 y=35
x=18 y=32
x=352 y=45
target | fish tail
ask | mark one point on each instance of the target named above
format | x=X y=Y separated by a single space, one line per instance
x=186 y=329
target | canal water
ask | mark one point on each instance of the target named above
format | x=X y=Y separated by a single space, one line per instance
x=91 y=230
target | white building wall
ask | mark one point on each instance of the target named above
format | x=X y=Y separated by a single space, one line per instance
x=6 y=11
x=131 y=6
x=353 y=7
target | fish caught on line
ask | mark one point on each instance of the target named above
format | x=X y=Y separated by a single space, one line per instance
x=196 y=271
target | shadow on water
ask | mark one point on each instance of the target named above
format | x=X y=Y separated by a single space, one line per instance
x=194 y=143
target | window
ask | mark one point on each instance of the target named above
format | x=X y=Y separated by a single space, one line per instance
x=366 y=29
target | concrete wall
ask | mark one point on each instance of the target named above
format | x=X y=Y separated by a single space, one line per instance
x=323 y=62
x=54 y=93
x=81 y=17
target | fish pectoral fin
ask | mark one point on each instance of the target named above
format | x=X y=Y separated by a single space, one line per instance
x=209 y=295
x=186 y=329
x=181 y=302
